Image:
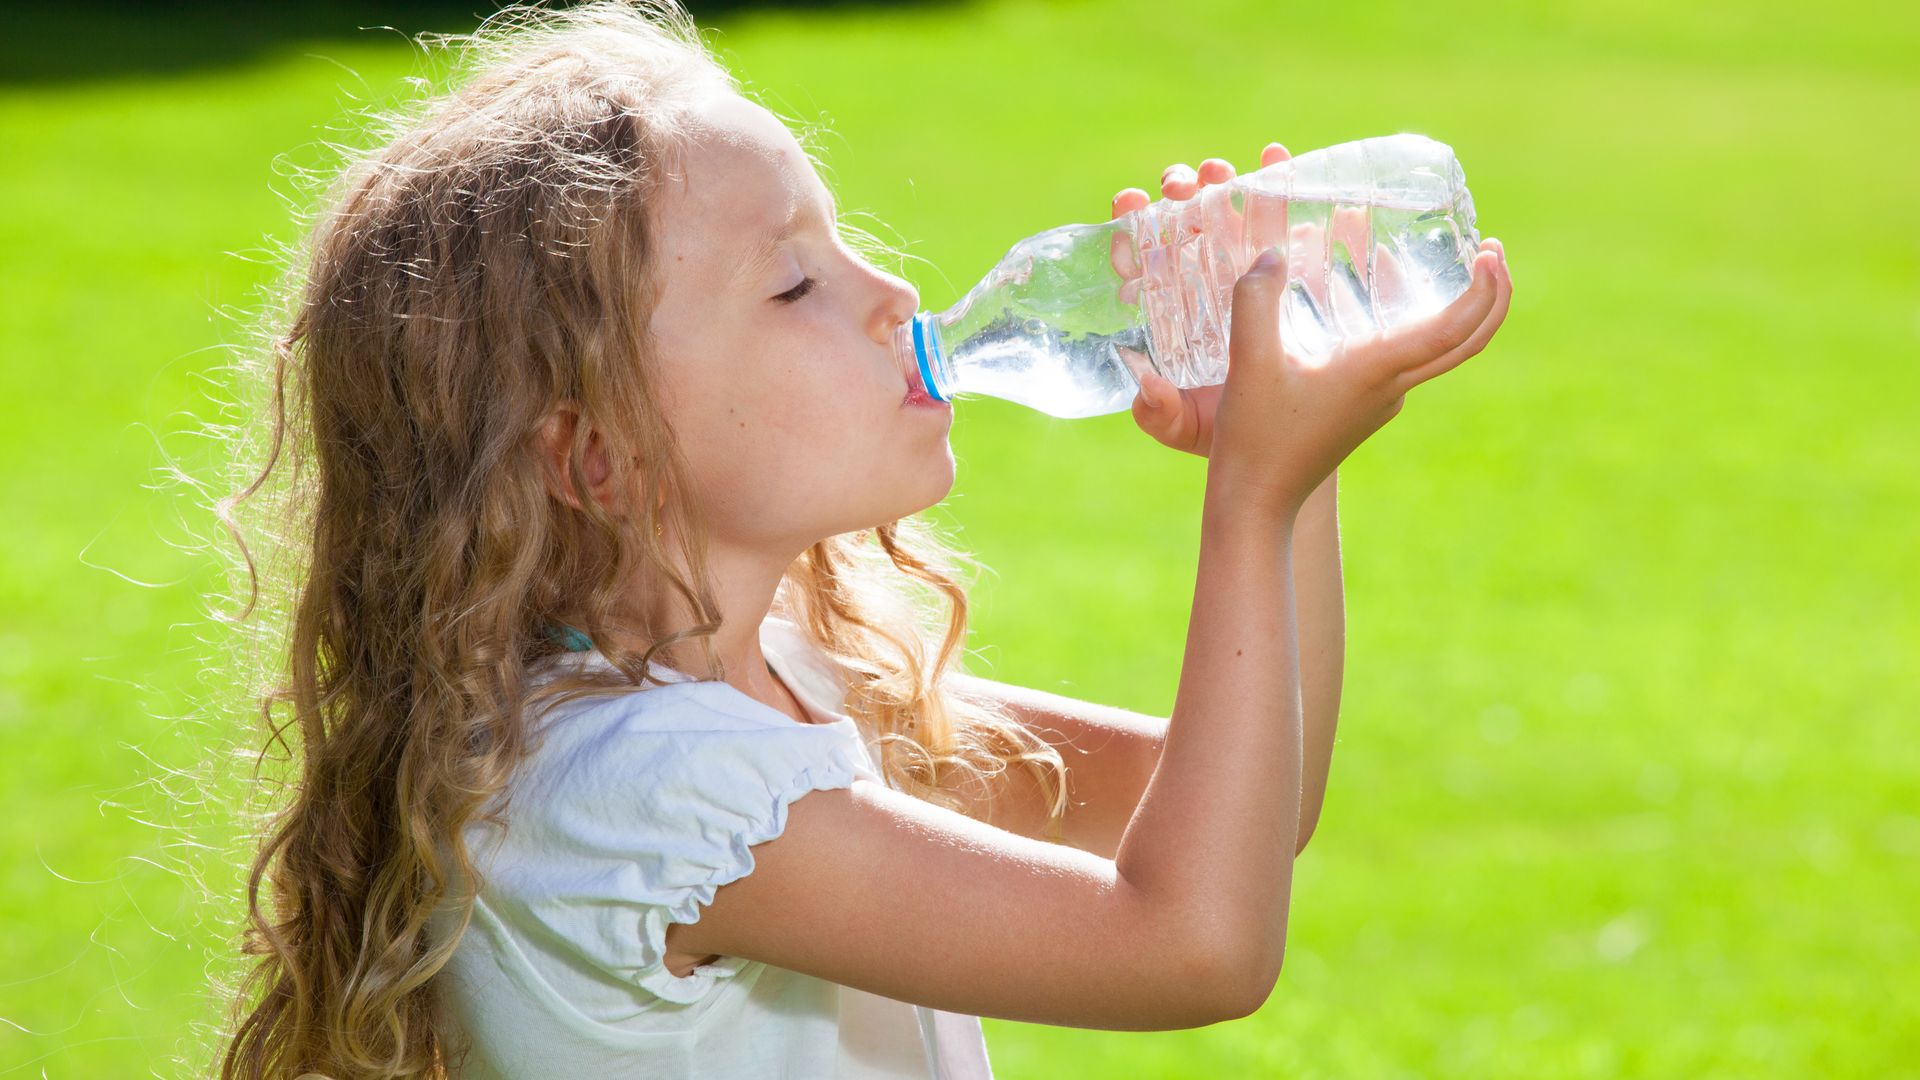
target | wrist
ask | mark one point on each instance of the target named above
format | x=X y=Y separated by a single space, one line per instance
x=1277 y=498
x=1229 y=498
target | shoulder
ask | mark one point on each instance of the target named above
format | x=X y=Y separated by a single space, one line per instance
x=634 y=807
x=678 y=753
x=679 y=706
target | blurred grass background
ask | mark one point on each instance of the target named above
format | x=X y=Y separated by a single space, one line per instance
x=1626 y=780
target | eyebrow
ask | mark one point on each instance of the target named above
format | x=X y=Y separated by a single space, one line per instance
x=756 y=263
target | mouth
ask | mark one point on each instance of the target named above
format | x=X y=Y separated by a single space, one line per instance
x=903 y=356
x=917 y=397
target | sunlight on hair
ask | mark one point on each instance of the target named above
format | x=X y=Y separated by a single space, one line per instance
x=390 y=550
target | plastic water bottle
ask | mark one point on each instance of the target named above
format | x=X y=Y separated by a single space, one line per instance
x=1376 y=233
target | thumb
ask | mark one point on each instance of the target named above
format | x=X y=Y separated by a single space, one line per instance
x=1161 y=410
x=1254 y=319
x=1153 y=392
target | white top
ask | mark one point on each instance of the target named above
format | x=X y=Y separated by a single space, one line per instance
x=631 y=811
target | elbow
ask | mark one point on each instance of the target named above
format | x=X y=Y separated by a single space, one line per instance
x=1246 y=973
x=1249 y=987
x=1247 y=967
x=1198 y=987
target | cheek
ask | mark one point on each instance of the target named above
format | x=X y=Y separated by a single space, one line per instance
x=786 y=411
x=799 y=386
x=820 y=415
x=817 y=379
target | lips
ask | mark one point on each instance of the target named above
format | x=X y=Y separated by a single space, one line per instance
x=905 y=364
x=915 y=393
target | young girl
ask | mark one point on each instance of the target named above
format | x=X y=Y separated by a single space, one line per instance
x=629 y=746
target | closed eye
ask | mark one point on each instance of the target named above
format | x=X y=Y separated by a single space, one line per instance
x=806 y=286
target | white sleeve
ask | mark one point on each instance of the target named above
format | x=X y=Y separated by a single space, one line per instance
x=638 y=808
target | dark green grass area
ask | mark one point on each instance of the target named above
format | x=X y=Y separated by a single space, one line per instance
x=1626 y=780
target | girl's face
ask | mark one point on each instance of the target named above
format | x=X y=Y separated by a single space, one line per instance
x=777 y=368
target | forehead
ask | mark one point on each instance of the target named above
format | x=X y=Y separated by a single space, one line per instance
x=742 y=174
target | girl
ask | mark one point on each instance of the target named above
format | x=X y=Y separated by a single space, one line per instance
x=626 y=748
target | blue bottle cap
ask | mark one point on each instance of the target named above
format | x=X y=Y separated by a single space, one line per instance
x=922 y=343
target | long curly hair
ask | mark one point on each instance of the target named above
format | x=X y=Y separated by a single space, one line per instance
x=490 y=258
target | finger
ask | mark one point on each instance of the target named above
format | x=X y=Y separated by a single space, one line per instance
x=1307 y=249
x=1352 y=235
x=1420 y=346
x=1266 y=222
x=1224 y=222
x=1389 y=278
x=1157 y=394
x=1179 y=181
x=1481 y=334
x=1154 y=406
x=1120 y=248
x=1415 y=345
x=1504 y=268
x=1352 y=229
x=1177 y=418
x=1215 y=171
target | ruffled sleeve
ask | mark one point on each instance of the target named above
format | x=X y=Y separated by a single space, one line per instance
x=634 y=810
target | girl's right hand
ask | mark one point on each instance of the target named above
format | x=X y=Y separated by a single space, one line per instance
x=1284 y=423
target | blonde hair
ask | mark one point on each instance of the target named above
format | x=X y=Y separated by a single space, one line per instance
x=490 y=259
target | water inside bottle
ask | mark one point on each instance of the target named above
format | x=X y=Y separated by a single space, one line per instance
x=1049 y=328
x=1406 y=264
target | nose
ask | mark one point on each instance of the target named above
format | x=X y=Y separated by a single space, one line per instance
x=898 y=303
x=899 y=300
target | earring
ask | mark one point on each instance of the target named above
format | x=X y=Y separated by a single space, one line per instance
x=567 y=637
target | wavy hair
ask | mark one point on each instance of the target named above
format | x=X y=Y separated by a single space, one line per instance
x=490 y=259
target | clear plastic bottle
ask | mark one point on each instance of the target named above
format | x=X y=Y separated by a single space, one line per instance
x=1376 y=232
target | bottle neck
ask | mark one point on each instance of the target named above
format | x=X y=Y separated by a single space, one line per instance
x=916 y=346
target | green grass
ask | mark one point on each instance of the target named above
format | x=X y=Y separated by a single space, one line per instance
x=1626 y=782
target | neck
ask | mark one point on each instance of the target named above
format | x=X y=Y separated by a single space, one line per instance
x=744 y=587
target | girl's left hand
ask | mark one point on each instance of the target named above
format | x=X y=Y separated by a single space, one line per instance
x=1182 y=419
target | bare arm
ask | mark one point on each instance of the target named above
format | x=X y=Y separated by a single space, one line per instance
x=1218 y=823
x=1187 y=924
x=1321 y=599
x=1024 y=930
x=1110 y=752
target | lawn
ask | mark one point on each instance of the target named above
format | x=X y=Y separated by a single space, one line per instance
x=1626 y=784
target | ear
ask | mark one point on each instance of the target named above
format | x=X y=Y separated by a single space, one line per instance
x=554 y=438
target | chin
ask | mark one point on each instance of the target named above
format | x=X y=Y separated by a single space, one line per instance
x=944 y=475
x=931 y=492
